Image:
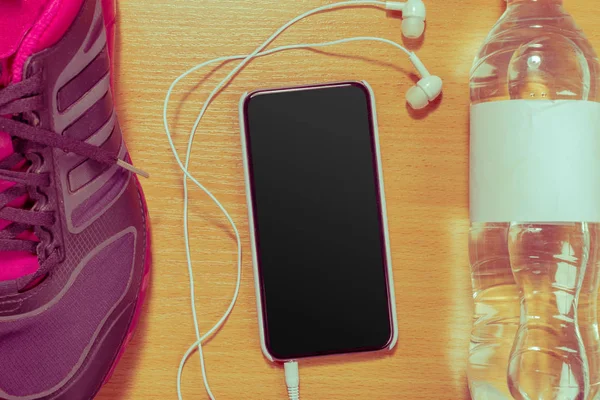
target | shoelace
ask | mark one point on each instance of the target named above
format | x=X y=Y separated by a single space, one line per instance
x=15 y=100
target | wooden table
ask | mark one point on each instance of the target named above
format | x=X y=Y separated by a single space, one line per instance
x=425 y=159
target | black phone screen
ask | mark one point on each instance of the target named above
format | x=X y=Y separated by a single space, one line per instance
x=318 y=221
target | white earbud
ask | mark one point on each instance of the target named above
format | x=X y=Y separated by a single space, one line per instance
x=414 y=14
x=426 y=90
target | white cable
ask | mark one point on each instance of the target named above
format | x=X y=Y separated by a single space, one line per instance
x=191 y=177
x=187 y=175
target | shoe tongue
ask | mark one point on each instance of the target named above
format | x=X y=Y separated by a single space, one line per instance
x=5 y=72
x=16 y=19
x=14 y=264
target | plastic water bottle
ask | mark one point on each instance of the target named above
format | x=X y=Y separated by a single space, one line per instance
x=535 y=208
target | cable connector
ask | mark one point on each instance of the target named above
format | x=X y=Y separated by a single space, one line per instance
x=292 y=379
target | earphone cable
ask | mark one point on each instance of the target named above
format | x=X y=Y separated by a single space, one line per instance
x=187 y=175
x=196 y=344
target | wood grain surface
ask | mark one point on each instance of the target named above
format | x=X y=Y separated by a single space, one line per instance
x=425 y=160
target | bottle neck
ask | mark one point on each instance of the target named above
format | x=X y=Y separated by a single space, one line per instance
x=535 y=8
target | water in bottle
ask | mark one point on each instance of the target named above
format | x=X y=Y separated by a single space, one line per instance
x=535 y=208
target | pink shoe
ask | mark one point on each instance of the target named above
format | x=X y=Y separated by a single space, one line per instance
x=74 y=233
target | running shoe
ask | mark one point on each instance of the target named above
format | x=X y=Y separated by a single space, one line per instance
x=74 y=233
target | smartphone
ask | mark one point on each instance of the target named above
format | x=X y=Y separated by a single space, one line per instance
x=318 y=225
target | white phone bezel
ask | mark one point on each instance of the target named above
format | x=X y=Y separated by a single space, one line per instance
x=257 y=286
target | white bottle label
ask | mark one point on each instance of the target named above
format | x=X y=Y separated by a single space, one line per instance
x=535 y=161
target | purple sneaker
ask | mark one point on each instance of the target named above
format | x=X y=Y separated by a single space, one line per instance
x=74 y=229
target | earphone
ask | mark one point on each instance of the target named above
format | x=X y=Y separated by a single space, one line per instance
x=419 y=96
x=427 y=89
x=413 y=16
